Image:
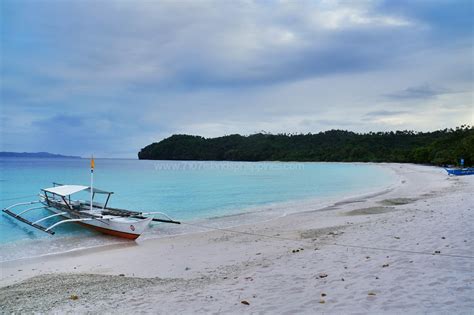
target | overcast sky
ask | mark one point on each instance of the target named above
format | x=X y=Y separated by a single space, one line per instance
x=109 y=77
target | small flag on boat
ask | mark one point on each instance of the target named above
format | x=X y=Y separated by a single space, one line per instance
x=92 y=163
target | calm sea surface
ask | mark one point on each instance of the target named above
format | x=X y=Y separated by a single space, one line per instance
x=188 y=191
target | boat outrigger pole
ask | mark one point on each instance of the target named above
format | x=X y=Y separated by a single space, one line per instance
x=24 y=220
x=167 y=220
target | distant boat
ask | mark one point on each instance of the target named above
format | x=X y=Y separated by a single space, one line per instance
x=460 y=171
x=95 y=215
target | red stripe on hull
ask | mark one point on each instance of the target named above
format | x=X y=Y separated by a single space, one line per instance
x=126 y=235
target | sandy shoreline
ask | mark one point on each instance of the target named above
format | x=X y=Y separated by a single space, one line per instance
x=287 y=265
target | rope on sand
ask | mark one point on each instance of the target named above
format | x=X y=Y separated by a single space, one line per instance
x=332 y=244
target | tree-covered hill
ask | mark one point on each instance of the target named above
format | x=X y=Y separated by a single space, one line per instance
x=438 y=147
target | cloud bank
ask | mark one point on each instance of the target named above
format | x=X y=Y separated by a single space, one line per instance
x=113 y=76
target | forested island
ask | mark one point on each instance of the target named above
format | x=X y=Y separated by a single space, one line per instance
x=439 y=147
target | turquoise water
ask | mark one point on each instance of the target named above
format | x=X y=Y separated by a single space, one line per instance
x=185 y=190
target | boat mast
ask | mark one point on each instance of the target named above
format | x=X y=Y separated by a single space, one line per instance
x=92 y=179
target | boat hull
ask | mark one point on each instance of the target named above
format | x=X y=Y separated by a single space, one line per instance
x=128 y=228
x=130 y=236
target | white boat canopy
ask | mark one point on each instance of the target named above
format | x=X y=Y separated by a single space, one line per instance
x=66 y=190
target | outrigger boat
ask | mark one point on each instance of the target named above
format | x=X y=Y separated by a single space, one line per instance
x=57 y=199
x=112 y=221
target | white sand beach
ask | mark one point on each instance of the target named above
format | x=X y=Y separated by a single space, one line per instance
x=407 y=250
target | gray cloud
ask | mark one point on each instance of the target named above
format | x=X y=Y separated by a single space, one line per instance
x=60 y=121
x=418 y=92
x=384 y=113
x=330 y=123
x=191 y=45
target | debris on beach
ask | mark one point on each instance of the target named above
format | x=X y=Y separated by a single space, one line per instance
x=245 y=302
x=73 y=297
x=322 y=275
x=323 y=294
x=322 y=301
x=372 y=293
x=385 y=265
x=437 y=252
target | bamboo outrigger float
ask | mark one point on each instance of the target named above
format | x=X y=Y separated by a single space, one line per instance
x=57 y=199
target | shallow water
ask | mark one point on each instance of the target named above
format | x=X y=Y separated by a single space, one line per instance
x=186 y=190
